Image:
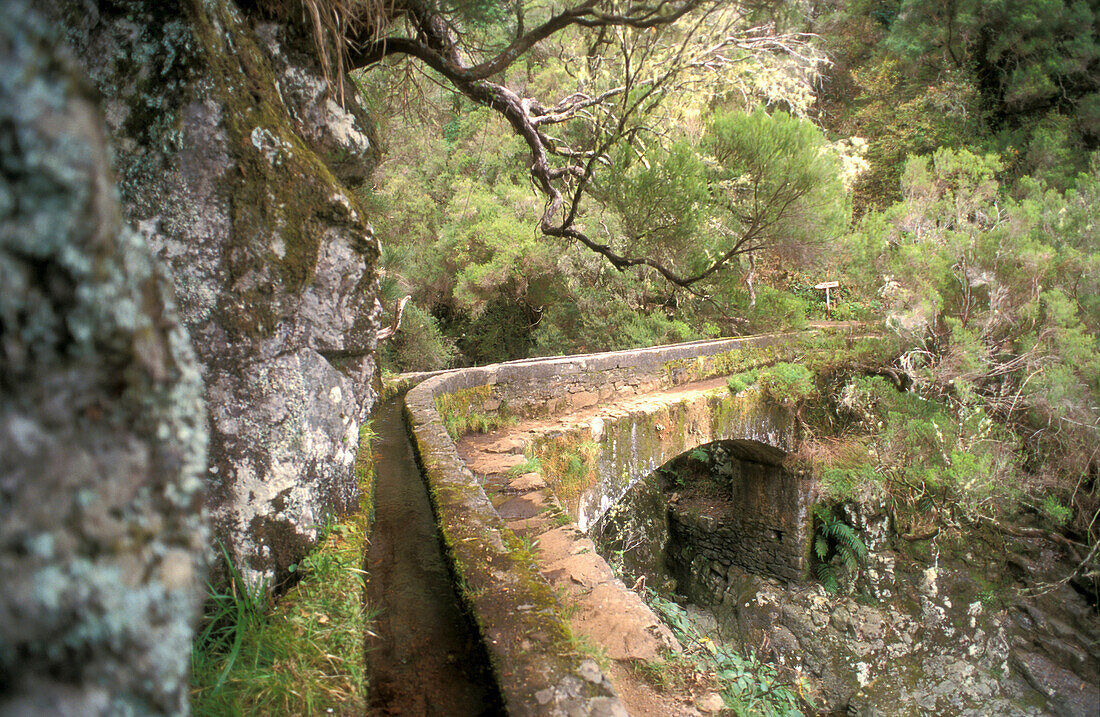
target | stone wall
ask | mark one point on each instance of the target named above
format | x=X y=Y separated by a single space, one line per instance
x=239 y=169
x=625 y=448
x=545 y=387
x=764 y=529
x=517 y=613
x=689 y=533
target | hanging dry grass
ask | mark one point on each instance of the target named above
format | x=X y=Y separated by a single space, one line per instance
x=333 y=24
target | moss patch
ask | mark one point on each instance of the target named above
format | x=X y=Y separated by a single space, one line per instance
x=283 y=198
x=700 y=368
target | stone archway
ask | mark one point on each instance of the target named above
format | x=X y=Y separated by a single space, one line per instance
x=710 y=513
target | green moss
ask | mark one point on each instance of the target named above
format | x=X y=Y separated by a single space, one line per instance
x=701 y=368
x=465 y=410
x=283 y=197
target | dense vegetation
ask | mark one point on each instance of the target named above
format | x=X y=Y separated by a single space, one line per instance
x=648 y=173
x=939 y=160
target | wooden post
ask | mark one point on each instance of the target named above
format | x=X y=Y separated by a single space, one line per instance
x=827 y=285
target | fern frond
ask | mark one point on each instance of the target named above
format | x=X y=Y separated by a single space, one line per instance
x=826 y=576
x=833 y=538
x=850 y=562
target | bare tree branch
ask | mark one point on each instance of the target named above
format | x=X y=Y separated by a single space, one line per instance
x=561 y=173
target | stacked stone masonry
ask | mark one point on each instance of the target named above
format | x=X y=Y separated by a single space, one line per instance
x=753 y=545
x=519 y=618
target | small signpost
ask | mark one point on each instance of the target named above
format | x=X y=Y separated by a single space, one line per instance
x=826 y=285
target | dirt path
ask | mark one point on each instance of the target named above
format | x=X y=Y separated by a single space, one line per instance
x=605 y=613
x=425 y=660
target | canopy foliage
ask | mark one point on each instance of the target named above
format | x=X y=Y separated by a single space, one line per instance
x=601 y=175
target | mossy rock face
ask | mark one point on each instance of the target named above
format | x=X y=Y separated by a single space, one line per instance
x=236 y=166
x=102 y=425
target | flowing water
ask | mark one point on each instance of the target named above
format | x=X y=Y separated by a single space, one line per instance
x=426 y=658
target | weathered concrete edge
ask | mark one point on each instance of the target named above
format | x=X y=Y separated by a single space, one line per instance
x=540 y=674
x=529 y=643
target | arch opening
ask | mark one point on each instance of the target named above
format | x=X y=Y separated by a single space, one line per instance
x=722 y=509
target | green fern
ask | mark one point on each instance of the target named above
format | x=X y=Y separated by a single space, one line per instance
x=835 y=541
x=826 y=576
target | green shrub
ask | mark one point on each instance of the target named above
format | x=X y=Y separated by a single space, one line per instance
x=788 y=383
x=1057 y=513
x=776 y=310
x=740 y=381
x=419 y=345
x=845 y=483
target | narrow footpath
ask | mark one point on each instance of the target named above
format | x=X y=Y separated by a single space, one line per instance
x=425 y=659
x=604 y=611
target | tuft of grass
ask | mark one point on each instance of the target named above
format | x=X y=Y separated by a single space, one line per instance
x=530 y=465
x=232 y=615
x=584 y=645
x=303 y=657
x=461 y=412
x=674 y=672
x=524 y=547
x=304 y=654
x=570 y=468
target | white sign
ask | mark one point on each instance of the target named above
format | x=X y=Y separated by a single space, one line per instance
x=828 y=285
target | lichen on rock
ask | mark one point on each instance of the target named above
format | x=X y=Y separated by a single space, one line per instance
x=102 y=426
x=241 y=182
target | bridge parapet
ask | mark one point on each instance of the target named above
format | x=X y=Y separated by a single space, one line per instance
x=546 y=387
x=527 y=637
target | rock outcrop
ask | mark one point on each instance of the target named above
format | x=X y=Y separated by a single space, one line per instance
x=187 y=317
x=239 y=168
x=102 y=427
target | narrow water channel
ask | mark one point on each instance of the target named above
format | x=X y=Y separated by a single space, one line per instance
x=426 y=658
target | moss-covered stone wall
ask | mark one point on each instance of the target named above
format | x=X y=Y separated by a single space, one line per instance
x=538 y=669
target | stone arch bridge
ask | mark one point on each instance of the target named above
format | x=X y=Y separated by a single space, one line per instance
x=565 y=439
